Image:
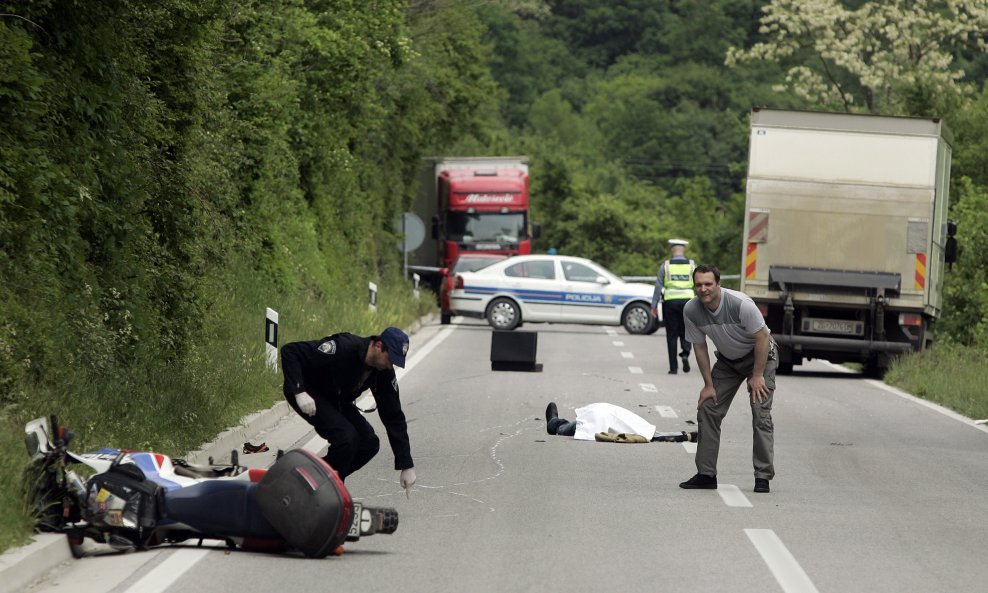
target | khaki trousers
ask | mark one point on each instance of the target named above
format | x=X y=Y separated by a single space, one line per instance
x=728 y=376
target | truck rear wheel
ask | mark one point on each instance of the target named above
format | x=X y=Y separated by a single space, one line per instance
x=503 y=314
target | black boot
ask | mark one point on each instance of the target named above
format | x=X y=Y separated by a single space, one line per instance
x=551 y=411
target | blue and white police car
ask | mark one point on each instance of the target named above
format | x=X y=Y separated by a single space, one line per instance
x=553 y=289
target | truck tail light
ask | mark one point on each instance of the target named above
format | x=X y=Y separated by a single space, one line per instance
x=459 y=282
x=763 y=309
x=910 y=319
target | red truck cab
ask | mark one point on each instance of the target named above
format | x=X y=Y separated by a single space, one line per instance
x=483 y=209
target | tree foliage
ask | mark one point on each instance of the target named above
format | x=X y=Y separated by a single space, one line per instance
x=892 y=57
x=147 y=149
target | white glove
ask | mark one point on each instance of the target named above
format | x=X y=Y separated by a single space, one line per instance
x=407 y=480
x=305 y=403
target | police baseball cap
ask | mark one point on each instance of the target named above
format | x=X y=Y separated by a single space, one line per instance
x=396 y=341
x=682 y=242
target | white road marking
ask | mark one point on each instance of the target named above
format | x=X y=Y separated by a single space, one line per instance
x=690 y=448
x=165 y=574
x=618 y=343
x=635 y=370
x=420 y=354
x=732 y=496
x=649 y=387
x=612 y=332
x=908 y=396
x=666 y=412
x=935 y=407
x=627 y=355
x=791 y=576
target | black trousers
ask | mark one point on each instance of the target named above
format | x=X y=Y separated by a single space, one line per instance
x=352 y=440
x=672 y=314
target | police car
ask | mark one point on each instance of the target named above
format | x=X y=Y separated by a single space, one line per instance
x=552 y=288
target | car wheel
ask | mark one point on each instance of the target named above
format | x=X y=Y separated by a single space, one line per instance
x=503 y=314
x=653 y=327
x=637 y=319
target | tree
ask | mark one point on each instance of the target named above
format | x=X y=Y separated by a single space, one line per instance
x=891 y=57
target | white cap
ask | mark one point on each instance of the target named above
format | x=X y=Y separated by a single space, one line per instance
x=682 y=242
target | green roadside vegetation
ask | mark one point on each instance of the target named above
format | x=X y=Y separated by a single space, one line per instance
x=167 y=172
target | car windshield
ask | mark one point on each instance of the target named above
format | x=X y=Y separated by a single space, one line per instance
x=607 y=273
x=478 y=227
x=472 y=264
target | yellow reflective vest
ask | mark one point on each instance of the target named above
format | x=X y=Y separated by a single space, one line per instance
x=677 y=282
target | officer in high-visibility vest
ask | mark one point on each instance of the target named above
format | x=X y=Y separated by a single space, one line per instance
x=674 y=287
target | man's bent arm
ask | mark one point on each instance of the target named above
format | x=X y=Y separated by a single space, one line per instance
x=761 y=352
x=703 y=362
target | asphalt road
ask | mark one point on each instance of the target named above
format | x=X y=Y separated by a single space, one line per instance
x=874 y=491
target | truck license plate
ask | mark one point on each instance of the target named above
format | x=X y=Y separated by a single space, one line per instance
x=844 y=327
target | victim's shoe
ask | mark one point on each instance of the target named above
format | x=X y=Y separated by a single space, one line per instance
x=700 y=482
x=551 y=411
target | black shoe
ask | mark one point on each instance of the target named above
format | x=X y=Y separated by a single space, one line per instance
x=686 y=363
x=551 y=412
x=761 y=485
x=700 y=482
x=673 y=371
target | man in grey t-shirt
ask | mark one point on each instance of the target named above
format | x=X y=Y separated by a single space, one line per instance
x=745 y=352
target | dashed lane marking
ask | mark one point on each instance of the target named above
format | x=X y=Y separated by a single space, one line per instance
x=666 y=412
x=791 y=576
x=732 y=496
x=627 y=355
x=635 y=370
x=650 y=388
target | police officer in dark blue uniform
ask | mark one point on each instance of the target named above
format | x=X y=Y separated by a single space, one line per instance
x=324 y=377
x=674 y=287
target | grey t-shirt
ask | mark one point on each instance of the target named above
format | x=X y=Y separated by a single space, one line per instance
x=731 y=327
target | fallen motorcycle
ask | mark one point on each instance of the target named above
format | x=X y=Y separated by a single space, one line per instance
x=135 y=500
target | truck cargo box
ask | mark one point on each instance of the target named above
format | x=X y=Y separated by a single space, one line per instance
x=845 y=232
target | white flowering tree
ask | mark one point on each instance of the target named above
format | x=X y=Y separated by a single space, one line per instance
x=892 y=56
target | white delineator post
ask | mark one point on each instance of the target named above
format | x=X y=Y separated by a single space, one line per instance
x=416 y=278
x=373 y=295
x=271 y=338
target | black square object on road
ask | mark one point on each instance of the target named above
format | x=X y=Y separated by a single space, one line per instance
x=514 y=351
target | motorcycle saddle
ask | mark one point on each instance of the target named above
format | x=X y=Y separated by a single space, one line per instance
x=220 y=507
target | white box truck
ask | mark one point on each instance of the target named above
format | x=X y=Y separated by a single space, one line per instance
x=846 y=234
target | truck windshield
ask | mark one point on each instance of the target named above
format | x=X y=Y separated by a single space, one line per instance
x=474 y=227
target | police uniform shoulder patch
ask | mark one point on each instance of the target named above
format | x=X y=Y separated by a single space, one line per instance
x=328 y=347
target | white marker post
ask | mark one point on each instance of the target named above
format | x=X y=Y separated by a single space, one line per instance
x=373 y=296
x=416 y=278
x=271 y=338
